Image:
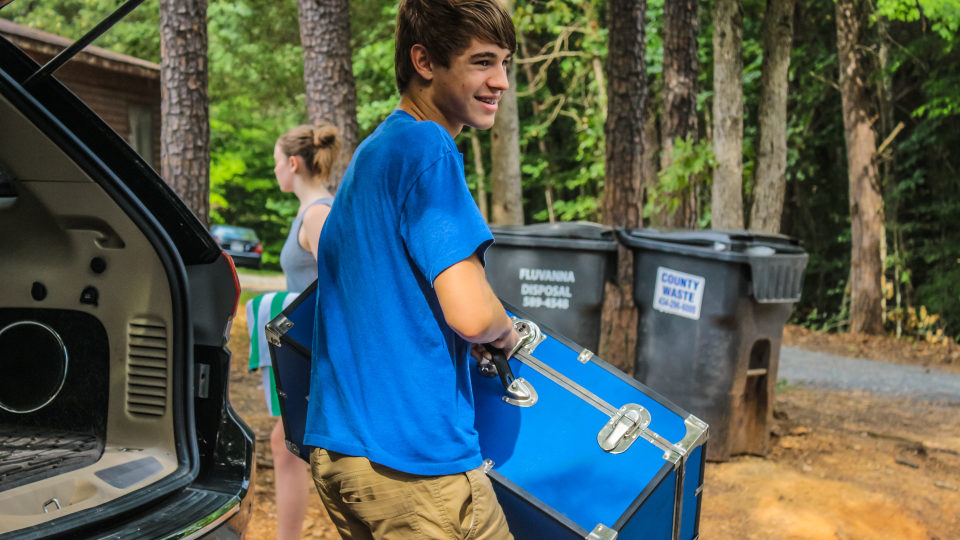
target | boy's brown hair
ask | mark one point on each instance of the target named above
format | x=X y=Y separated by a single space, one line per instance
x=445 y=27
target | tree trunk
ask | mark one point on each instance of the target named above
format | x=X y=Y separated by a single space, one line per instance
x=727 y=193
x=328 y=72
x=771 y=174
x=680 y=67
x=886 y=163
x=506 y=197
x=622 y=203
x=481 y=175
x=184 y=109
x=866 y=203
x=650 y=163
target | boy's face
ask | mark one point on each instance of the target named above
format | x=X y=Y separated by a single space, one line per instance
x=469 y=90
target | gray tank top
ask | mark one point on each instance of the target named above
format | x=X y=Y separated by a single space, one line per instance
x=297 y=263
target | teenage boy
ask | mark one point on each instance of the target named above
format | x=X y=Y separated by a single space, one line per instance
x=402 y=295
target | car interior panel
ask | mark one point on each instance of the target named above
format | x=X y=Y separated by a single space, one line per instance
x=85 y=297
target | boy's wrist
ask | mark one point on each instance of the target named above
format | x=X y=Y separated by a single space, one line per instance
x=508 y=340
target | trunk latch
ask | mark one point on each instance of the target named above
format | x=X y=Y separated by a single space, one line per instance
x=623 y=428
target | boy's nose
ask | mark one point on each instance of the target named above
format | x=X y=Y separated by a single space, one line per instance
x=499 y=80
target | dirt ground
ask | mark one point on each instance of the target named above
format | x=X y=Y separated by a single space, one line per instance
x=843 y=464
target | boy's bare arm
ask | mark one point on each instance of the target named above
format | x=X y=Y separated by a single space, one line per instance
x=470 y=306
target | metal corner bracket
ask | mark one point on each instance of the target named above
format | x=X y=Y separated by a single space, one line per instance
x=602 y=532
x=293 y=448
x=276 y=328
x=697 y=434
x=530 y=336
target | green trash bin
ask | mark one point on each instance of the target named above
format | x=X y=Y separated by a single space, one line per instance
x=711 y=309
x=555 y=272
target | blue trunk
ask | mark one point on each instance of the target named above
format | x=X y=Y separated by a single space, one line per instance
x=551 y=475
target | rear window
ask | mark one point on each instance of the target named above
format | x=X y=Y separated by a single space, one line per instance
x=235 y=233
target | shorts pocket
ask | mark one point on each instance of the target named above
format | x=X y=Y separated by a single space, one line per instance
x=473 y=521
x=488 y=520
x=372 y=497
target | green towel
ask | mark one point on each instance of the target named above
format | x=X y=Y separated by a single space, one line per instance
x=260 y=311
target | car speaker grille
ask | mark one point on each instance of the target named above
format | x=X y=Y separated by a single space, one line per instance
x=147 y=368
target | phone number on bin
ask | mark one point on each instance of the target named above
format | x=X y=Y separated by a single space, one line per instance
x=549 y=303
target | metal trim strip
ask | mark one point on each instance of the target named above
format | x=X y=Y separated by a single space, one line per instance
x=220 y=515
x=703 y=465
x=678 y=497
x=671 y=450
x=565 y=382
x=293 y=344
x=300 y=299
x=599 y=361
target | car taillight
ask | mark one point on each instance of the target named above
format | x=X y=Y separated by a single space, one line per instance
x=236 y=284
x=258 y=248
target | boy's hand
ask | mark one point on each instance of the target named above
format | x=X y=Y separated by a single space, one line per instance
x=484 y=360
x=506 y=343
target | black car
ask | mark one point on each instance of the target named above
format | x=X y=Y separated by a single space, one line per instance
x=115 y=306
x=241 y=243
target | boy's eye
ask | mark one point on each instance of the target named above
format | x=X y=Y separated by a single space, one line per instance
x=483 y=63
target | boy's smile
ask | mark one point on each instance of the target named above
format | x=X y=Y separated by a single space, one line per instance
x=467 y=92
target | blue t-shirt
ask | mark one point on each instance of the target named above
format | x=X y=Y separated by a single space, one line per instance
x=390 y=379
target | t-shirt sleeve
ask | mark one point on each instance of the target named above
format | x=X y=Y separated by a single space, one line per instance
x=441 y=224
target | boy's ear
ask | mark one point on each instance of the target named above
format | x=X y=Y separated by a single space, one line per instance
x=422 y=62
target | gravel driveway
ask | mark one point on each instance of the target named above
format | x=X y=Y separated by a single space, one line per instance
x=261 y=283
x=831 y=371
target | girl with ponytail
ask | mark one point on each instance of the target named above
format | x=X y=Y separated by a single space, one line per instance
x=304 y=157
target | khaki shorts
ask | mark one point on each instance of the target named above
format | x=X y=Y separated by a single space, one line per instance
x=366 y=500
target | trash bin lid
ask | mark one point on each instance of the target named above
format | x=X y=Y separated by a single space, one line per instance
x=579 y=235
x=776 y=262
x=732 y=245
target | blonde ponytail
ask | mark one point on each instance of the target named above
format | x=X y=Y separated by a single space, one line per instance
x=318 y=146
x=326 y=148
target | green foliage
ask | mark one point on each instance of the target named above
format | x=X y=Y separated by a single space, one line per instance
x=942 y=16
x=138 y=34
x=752 y=71
x=817 y=186
x=256 y=92
x=562 y=100
x=693 y=163
x=921 y=210
x=923 y=246
x=372 y=28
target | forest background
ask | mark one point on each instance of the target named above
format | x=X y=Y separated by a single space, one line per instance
x=256 y=91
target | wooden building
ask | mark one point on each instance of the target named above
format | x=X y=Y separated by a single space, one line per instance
x=123 y=90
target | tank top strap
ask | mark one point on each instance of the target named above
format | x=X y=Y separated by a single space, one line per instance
x=322 y=200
